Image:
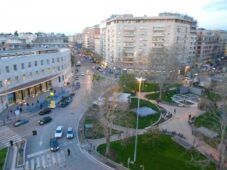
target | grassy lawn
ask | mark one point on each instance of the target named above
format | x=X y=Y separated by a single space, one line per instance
x=213 y=96
x=2 y=157
x=128 y=119
x=96 y=131
x=208 y=120
x=149 y=87
x=154 y=153
x=134 y=102
x=166 y=96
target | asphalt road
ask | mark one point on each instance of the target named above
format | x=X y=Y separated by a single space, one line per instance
x=37 y=146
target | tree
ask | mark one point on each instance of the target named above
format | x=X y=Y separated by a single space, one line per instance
x=128 y=82
x=107 y=111
x=16 y=33
x=218 y=111
x=164 y=65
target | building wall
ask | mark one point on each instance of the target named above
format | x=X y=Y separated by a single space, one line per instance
x=21 y=69
x=128 y=37
x=210 y=45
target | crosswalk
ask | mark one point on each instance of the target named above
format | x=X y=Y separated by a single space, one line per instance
x=6 y=134
x=46 y=161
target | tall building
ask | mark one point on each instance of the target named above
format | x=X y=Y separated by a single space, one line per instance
x=128 y=38
x=26 y=73
x=91 y=36
x=210 y=45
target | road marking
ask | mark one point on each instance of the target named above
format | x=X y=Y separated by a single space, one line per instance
x=48 y=160
x=27 y=165
x=53 y=159
x=37 y=153
x=43 y=161
x=37 y=163
x=32 y=164
x=58 y=158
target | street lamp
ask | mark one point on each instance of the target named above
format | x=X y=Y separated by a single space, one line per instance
x=137 y=117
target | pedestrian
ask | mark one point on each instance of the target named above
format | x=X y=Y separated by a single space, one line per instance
x=21 y=109
x=11 y=112
x=174 y=110
x=41 y=106
x=38 y=101
x=68 y=152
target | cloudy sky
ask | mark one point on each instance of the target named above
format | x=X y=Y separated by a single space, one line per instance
x=71 y=16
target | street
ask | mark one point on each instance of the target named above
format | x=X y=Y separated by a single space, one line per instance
x=38 y=154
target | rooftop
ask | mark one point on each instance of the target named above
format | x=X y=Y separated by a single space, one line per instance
x=30 y=51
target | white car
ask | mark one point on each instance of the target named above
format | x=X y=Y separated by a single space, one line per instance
x=59 y=132
x=69 y=134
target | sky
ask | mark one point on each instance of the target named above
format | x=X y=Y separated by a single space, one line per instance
x=72 y=16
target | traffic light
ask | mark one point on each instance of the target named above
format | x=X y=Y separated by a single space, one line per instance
x=34 y=132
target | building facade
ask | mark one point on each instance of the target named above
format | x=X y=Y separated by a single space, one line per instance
x=26 y=73
x=91 y=36
x=210 y=45
x=51 y=40
x=129 y=38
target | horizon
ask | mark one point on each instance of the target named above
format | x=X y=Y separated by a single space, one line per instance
x=71 y=17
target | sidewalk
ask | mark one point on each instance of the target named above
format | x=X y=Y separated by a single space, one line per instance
x=31 y=106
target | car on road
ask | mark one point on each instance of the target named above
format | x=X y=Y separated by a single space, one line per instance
x=45 y=120
x=59 y=132
x=70 y=133
x=77 y=85
x=20 y=122
x=45 y=111
x=54 y=146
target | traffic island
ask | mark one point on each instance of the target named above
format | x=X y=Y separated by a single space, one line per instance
x=20 y=155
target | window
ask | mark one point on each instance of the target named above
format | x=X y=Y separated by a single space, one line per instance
x=48 y=62
x=62 y=67
x=58 y=68
x=1 y=85
x=22 y=65
x=61 y=58
x=8 y=82
x=36 y=63
x=52 y=60
x=58 y=59
x=15 y=67
x=7 y=69
x=29 y=64
x=41 y=62
x=59 y=79
x=17 y=79
x=24 y=77
x=37 y=72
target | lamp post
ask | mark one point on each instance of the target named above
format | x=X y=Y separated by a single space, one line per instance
x=137 y=117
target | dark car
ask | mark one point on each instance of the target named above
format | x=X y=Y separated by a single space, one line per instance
x=45 y=120
x=54 y=146
x=45 y=111
x=20 y=122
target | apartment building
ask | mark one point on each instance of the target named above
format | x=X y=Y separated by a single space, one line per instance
x=9 y=42
x=128 y=38
x=210 y=45
x=51 y=40
x=91 y=38
x=26 y=73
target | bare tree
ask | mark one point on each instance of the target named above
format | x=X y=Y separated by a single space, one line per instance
x=107 y=112
x=164 y=65
x=217 y=110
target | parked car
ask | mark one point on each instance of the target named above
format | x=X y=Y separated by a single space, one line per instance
x=45 y=111
x=54 y=146
x=45 y=120
x=20 y=122
x=70 y=133
x=82 y=74
x=59 y=132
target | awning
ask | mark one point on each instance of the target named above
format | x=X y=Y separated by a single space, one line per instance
x=29 y=84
